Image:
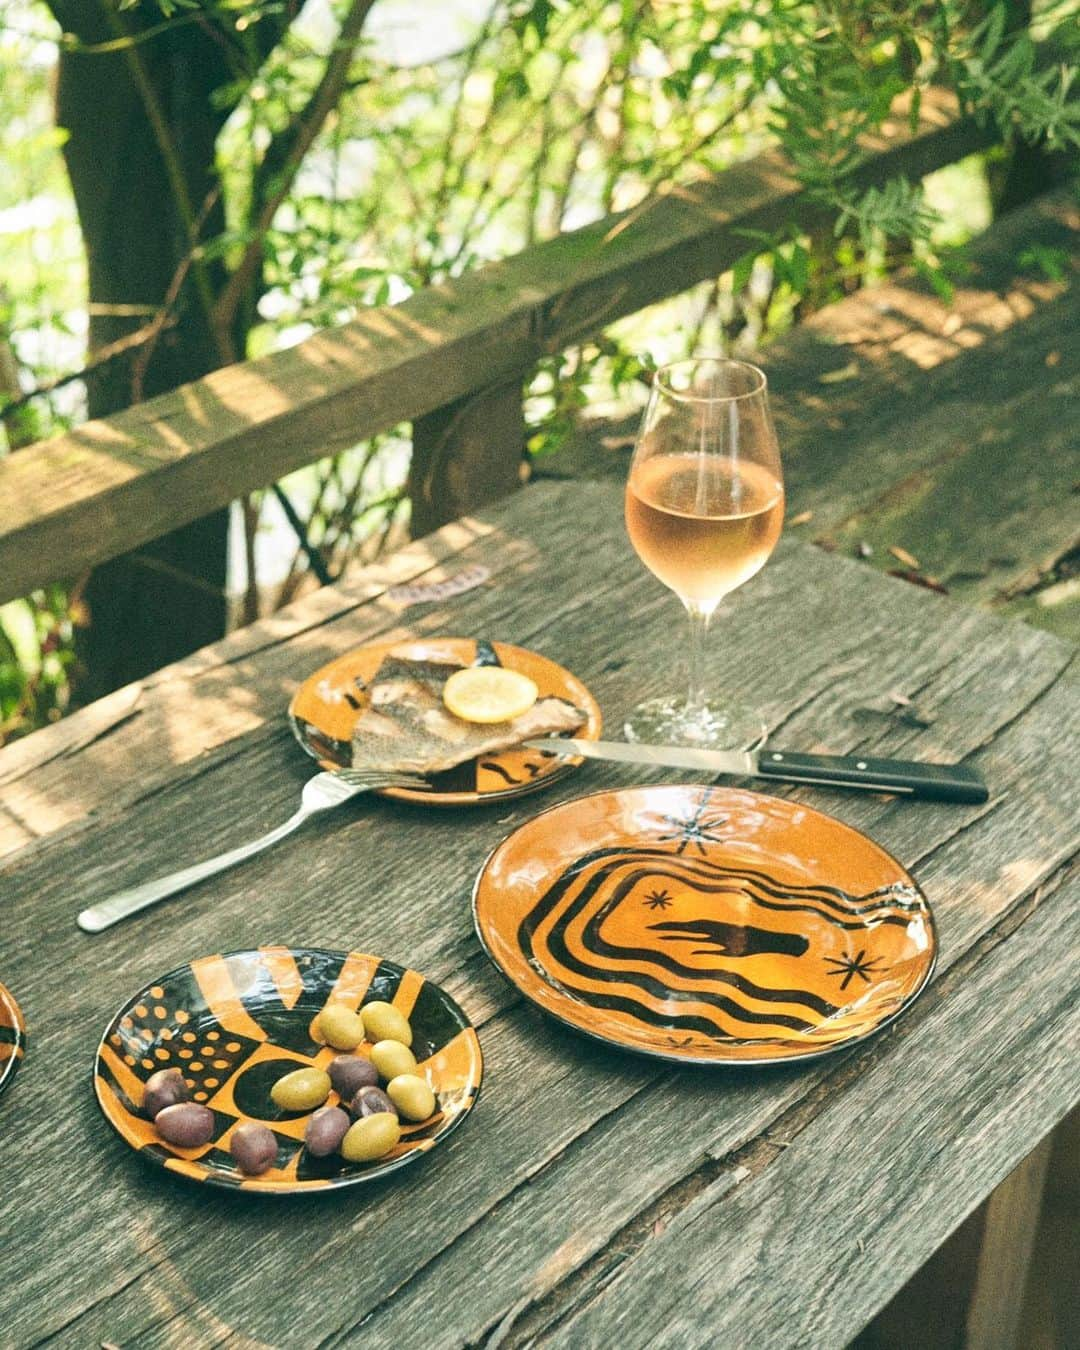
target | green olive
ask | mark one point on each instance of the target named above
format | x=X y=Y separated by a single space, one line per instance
x=341 y=1027
x=383 y=1022
x=412 y=1095
x=371 y=1137
x=301 y=1090
x=392 y=1059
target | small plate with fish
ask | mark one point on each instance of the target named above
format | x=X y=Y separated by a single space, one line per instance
x=382 y=706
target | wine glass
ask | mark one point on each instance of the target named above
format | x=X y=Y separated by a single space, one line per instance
x=704 y=507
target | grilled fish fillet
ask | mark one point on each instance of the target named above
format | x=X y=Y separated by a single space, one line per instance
x=407 y=727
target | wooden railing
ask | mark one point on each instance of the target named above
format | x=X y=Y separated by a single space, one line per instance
x=451 y=359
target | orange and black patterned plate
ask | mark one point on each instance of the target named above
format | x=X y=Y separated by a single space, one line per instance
x=12 y=1037
x=234 y=1024
x=324 y=710
x=705 y=925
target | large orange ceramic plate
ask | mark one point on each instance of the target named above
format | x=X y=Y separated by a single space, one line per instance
x=324 y=710
x=236 y=1023
x=12 y=1037
x=705 y=925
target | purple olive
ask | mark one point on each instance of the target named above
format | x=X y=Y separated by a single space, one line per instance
x=349 y=1073
x=253 y=1148
x=187 y=1124
x=325 y=1130
x=371 y=1101
x=164 y=1088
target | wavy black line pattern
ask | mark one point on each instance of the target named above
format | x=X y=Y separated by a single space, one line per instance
x=655 y=986
x=649 y=982
x=501 y=770
x=823 y=895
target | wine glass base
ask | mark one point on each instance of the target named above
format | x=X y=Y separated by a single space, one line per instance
x=668 y=721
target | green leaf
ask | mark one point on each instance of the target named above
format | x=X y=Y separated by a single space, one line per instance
x=19 y=627
x=993 y=32
x=1053 y=263
x=799 y=268
x=740 y=273
x=937 y=278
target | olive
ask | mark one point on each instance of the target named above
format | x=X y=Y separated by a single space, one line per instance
x=371 y=1138
x=164 y=1088
x=383 y=1022
x=186 y=1124
x=412 y=1096
x=325 y=1130
x=253 y=1147
x=371 y=1101
x=341 y=1027
x=349 y=1073
x=391 y=1058
x=301 y=1090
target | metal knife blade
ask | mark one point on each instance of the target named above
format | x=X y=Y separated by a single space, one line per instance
x=912 y=778
x=634 y=752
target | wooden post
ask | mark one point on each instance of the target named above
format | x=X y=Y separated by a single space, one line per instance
x=1008 y=1238
x=466 y=454
x=970 y=1293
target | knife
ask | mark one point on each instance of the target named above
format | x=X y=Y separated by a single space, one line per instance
x=940 y=782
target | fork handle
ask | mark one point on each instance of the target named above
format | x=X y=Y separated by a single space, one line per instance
x=119 y=906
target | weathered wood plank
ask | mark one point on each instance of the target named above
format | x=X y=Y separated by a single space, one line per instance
x=137 y=735
x=633 y=1164
x=979 y=1078
x=558 y=1118
x=110 y=485
x=946 y=430
x=240 y=683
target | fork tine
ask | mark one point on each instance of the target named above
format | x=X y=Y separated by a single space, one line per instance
x=375 y=773
x=381 y=778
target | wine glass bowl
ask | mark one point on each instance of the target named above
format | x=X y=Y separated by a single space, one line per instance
x=704 y=510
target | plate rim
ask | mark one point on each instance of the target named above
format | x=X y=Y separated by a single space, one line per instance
x=11 y=1064
x=211 y=1177
x=700 y=1061
x=566 y=766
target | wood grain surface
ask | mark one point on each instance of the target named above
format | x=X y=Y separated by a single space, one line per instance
x=946 y=430
x=592 y=1194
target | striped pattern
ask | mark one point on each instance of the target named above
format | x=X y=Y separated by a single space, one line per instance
x=12 y=1037
x=233 y=1024
x=703 y=934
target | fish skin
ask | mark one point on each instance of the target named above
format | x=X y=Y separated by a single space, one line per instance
x=406 y=726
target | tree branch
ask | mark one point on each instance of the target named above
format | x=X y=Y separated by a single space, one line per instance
x=149 y=332
x=282 y=161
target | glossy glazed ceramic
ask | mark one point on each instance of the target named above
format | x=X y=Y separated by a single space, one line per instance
x=234 y=1024
x=324 y=710
x=705 y=925
x=12 y=1037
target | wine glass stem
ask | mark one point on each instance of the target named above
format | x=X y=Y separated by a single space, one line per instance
x=695 y=659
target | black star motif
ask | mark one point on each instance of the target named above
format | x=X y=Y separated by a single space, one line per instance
x=658 y=899
x=699 y=830
x=850 y=966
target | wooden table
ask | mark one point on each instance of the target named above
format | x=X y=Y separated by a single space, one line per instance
x=592 y=1197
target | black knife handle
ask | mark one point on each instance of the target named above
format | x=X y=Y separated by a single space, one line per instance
x=941 y=782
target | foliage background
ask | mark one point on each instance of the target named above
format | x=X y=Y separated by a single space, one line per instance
x=488 y=126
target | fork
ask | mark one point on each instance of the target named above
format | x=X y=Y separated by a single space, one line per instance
x=320 y=793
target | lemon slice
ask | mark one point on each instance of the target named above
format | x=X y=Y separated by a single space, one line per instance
x=489 y=694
